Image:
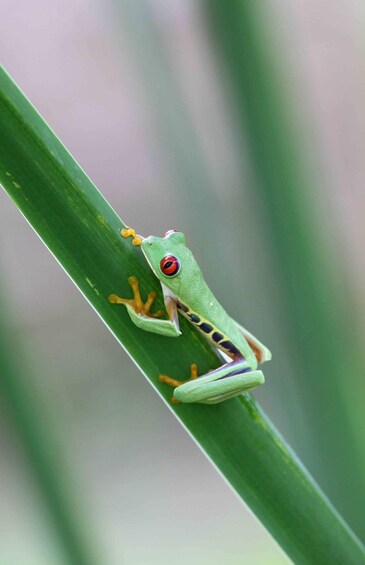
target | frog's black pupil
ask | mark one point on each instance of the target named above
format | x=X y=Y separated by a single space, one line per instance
x=168 y=264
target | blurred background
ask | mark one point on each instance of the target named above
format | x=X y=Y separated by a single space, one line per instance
x=242 y=126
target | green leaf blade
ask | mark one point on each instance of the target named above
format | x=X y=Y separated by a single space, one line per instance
x=82 y=231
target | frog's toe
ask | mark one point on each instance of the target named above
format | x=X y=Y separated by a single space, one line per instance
x=176 y=384
x=115 y=299
x=135 y=305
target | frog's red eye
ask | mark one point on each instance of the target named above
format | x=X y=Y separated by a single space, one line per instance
x=170 y=232
x=170 y=265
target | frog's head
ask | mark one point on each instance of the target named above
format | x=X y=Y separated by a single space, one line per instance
x=170 y=259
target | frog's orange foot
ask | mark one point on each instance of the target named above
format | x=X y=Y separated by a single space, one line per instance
x=136 y=302
x=127 y=232
x=175 y=383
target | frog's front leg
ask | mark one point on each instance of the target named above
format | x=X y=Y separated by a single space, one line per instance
x=141 y=316
x=136 y=303
x=220 y=384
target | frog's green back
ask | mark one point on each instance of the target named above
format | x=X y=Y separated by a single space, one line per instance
x=199 y=305
x=196 y=301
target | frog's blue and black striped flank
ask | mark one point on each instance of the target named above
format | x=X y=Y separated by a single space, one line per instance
x=211 y=332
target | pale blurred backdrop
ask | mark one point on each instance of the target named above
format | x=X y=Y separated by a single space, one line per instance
x=96 y=72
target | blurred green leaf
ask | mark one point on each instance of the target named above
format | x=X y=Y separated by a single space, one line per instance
x=38 y=432
x=82 y=231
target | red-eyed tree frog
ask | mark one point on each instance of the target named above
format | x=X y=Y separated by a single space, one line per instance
x=186 y=292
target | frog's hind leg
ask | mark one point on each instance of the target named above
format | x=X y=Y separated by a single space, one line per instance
x=225 y=382
x=175 y=383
